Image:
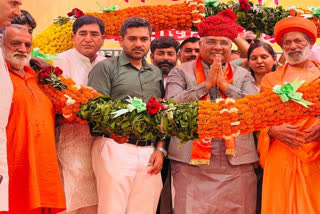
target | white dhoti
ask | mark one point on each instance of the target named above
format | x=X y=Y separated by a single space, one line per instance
x=123 y=182
x=74 y=154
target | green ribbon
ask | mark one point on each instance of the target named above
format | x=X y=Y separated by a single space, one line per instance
x=288 y=92
x=315 y=12
x=106 y=9
x=36 y=53
x=213 y=3
x=134 y=104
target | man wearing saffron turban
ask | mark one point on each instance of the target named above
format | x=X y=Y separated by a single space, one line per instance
x=290 y=153
x=213 y=175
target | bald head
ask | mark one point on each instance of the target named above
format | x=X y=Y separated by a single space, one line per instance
x=17 y=46
x=9 y=10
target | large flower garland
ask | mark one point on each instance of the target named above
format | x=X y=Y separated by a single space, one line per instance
x=55 y=39
x=161 y=17
x=224 y=119
x=183 y=16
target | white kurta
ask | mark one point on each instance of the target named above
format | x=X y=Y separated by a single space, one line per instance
x=6 y=92
x=74 y=141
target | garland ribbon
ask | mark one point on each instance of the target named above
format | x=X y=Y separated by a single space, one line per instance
x=288 y=92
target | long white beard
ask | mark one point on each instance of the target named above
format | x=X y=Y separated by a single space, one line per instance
x=17 y=62
x=293 y=60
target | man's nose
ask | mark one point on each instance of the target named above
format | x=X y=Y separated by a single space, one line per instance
x=16 y=12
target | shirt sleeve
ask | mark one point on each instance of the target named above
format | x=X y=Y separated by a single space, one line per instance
x=177 y=88
x=247 y=87
x=100 y=78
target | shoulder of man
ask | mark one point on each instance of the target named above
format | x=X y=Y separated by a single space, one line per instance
x=187 y=67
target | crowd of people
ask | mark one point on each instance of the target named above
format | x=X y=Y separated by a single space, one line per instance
x=48 y=166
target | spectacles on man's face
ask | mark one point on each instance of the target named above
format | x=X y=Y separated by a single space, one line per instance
x=214 y=42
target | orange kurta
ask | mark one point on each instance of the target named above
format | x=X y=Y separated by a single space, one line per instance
x=34 y=179
x=291 y=182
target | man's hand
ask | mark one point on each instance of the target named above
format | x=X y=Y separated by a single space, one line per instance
x=38 y=64
x=221 y=81
x=119 y=139
x=313 y=134
x=211 y=79
x=287 y=134
x=156 y=161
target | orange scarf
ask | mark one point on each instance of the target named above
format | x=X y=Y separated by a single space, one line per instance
x=201 y=149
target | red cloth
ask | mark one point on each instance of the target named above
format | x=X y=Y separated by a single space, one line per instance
x=221 y=25
x=295 y=24
x=34 y=179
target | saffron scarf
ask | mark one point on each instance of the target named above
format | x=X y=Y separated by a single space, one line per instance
x=201 y=149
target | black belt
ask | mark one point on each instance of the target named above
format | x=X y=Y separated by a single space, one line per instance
x=138 y=142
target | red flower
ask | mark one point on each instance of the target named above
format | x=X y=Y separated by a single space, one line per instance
x=153 y=106
x=57 y=71
x=45 y=73
x=76 y=12
x=244 y=5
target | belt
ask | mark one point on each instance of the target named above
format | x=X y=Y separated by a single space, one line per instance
x=138 y=142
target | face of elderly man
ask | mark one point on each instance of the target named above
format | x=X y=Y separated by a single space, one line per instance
x=212 y=47
x=296 y=47
x=17 y=47
x=9 y=10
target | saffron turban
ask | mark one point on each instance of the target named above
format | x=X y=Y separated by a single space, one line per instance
x=295 y=24
x=222 y=25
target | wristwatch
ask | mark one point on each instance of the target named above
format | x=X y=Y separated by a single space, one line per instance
x=165 y=153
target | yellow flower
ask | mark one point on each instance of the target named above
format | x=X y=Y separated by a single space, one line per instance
x=55 y=39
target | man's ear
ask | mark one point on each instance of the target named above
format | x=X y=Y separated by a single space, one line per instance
x=72 y=38
x=120 y=41
x=152 y=57
x=179 y=55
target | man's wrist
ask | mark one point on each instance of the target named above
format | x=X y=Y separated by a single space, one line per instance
x=164 y=152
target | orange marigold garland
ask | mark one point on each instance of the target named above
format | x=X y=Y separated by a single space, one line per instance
x=64 y=93
x=228 y=118
x=197 y=11
x=161 y=17
x=224 y=119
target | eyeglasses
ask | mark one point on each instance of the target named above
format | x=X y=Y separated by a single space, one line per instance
x=213 y=42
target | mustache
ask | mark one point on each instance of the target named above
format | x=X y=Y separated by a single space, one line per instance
x=166 y=62
x=295 y=50
x=138 y=49
x=20 y=55
x=193 y=57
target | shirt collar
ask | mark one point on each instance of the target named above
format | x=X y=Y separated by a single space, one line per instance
x=82 y=57
x=123 y=60
x=25 y=68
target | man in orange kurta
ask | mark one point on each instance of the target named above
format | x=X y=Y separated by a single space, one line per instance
x=34 y=181
x=290 y=153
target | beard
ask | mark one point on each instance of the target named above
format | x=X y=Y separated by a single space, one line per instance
x=165 y=66
x=303 y=56
x=17 y=60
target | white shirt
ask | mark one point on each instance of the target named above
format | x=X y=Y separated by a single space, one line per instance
x=75 y=65
x=6 y=93
x=74 y=141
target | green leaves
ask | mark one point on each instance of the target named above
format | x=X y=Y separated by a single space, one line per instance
x=176 y=120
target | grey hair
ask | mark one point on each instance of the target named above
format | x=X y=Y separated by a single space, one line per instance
x=3 y=31
x=305 y=36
